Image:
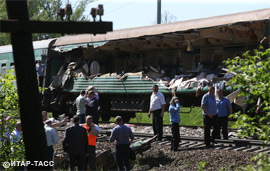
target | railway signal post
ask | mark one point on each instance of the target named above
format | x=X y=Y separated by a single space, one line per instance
x=21 y=29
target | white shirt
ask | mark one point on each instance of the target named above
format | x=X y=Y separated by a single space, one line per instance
x=16 y=136
x=156 y=101
x=51 y=135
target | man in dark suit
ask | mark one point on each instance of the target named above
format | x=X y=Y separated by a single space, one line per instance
x=75 y=144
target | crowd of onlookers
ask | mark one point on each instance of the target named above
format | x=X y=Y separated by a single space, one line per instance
x=81 y=138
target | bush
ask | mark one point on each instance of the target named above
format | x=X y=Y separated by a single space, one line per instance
x=9 y=115
x=252 y=78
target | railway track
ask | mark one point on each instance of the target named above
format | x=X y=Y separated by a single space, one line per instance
x=188 y=142
x=195 y=142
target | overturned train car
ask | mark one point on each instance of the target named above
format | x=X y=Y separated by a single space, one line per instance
x=182 y=58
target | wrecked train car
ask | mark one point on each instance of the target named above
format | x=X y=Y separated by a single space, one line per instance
x=182 y=58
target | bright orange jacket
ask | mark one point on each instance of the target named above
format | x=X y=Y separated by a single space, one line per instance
x=92 y=139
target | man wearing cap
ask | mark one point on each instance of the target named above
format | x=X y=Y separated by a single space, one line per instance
x=157 y=107
x=51 y=137
x=55 y=123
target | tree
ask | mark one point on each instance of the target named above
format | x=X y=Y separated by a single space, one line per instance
x=46 y=10
x=9 y=108
x=253 y=73
x=4 y=37
x=167 y=17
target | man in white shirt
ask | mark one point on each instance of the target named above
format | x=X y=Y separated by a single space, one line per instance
x=157 y=107
x=81 y=106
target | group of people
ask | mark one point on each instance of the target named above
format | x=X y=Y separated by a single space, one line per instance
x=87 y=104
x=80 y=143
x=157 y=107
x=81 y=138
x=216 y=110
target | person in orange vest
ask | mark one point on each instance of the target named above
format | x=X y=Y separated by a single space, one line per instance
x=92 y=133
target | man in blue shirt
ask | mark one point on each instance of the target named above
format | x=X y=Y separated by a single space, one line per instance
x=123 y=137
x=174 y=110
x=209 y=108
x=224 y=109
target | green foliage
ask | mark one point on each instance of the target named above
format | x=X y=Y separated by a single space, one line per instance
x=4 y=37
x=253 y=80
x=253 y=73
x=201 y=165
x=9 y=105
x=262 y=163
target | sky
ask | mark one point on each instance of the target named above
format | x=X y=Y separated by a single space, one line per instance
x=137 y=13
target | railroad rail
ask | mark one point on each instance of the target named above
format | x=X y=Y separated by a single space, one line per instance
x=243 y=145
x=193 y=142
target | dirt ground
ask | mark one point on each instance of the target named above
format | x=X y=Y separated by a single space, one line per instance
x=159 y=157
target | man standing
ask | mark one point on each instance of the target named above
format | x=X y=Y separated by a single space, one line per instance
x=124 y=138
x=174 y=110
x=224 y=109
x=209 y=108
x=80 y=104
x=40 y=72
x=51 y=137
x=157 y=107
x=92 y=133
x=75 y=144
x=92 y=106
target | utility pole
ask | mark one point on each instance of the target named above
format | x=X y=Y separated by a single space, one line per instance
x=21 y=29
x=159 y=12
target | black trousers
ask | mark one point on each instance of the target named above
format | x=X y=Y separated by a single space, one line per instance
x=122 y=157
x=40 y=81
x=222 y=122
x=77 y=160
x=157 y=123
x=208 y=123
x=50 y=152
x=91 y=157
x=175 y=136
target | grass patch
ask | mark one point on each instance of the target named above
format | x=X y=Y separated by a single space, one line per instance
x=192 y=118
x=188 y=118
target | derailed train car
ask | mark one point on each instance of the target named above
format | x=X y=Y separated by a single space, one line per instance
x=182 y=58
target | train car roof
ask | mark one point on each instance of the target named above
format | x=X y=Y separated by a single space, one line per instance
x=181 y=26
x=41 y=44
